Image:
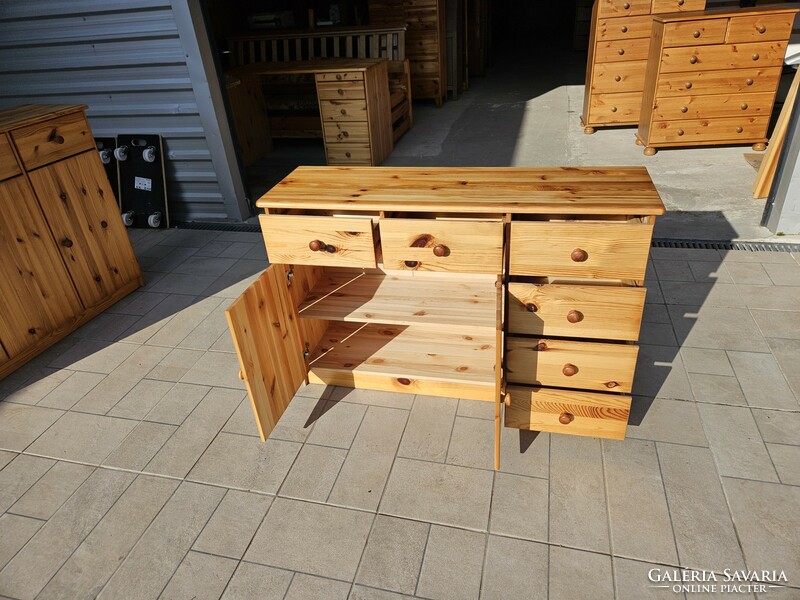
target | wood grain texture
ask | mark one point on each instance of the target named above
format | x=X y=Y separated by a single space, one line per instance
x=695 y=33
x=754 y=80
x=609 y=312
x=614 y=250
x=346 y=132
x=734 y=130
x=467 y=304
x=671 y=108
x=249 y=111
x=343 y=110
x=469 y=246
x=519 y=190
x=618 y=77
x=622 y=50
x=379 y=109
x=28 y=114
x=615 y=108
x=623 y=8
x=594 y=414
x=625 y=28
x=310 y=67
x=268 y=344
x=8 y=162
x=51 y=140
x=341 y=90
x=727 y=56
x=763 y=27
x=589 y=365
x=672 y=6
x=287 y=239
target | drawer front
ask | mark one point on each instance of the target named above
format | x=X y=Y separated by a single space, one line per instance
x=52 y=140
x=343 y=110
x=343 y=90
x=719 y=82
x=667 y=6
x=627 y=28
x=591 y=250
x=615 y=108
x=685 y=133
x=623 y=8
x=352 y=132
x=705 y=107
x=349 y=154
x=442 y=245
x=618 y=77
x=569 y=364
x=622 y=50
x=695 y=33
x=336 y=242
x=761 y=28
x=337 y=77
x=578 y=311
x=8 y=162
x=564 y=411
x=733 y=56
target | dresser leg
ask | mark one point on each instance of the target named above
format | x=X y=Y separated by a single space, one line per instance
x=759 y=147
x=589 y=130
x=639 y=142
x=650 y=151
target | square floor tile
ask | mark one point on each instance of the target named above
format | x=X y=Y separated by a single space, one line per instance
x=515 y=569
x=83 y=437
x=258 y=581
x=393 y=554
x=519 y=507
x=233 y=524
x=20 y=424
x=452 y=566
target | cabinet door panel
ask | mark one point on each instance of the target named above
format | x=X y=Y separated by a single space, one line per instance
x=84 y=217
x=267 y=338
x=36 y=294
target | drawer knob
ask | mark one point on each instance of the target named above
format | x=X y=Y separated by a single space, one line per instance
x=680 y=2
x=739 y=129
x=318 y=246
x=624 y=29
x=617 y=78
x=626 y=5
x=566 y=418
x=569 y=370
x=761 y=29
x=574 y=316
x=441 y=250
x=338 y=76
x=66 y=242
x=347 y=154
x=696 y=34
x=343 y=111
x=748 y=81
x=684 y=109
x=621 y=51
x=688 y=85
x=756 y=56
x=32 y=331
x=412 y=264
x=55 y=138
x=340 y=91
x=681 y=132
x=531 y=307
x=693 y=60
x=744 y=105
x=541 y=347
x=613 y=109
x=579 y=255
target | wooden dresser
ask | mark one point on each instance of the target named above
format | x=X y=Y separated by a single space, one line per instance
x=65 y=255
x=712 y=77
x=619 y=42
x=518 y=286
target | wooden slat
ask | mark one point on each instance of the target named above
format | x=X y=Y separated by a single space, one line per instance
x=268 y=345
x=704 y=107
x=8 y=162
x=29 y=114
x=52 y=140
x=732 y=56
x=376 y=298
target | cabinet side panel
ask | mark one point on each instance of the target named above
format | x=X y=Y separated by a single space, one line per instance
x=651 y=81
x=590 y=66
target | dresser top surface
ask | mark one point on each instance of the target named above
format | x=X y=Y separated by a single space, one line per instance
x=28 y=114
x=295 y=67
x=521 y=190
x=719 y=13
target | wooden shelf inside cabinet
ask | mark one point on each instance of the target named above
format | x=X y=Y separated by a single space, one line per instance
x=446 y=302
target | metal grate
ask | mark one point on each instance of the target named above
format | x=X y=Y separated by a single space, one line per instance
x=723 y=245
x=243 y=227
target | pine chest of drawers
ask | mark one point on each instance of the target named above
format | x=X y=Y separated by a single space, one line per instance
x=518 y=286
x=712 y=77
x=619 y=43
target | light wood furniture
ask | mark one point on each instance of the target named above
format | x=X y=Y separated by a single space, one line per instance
x=518 y=286
x=619 y=42
x=249 y=112
x=65 y=255
x=712 y=76
x=354 y=105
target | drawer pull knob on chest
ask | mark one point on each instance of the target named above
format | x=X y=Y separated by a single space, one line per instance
x=761 y=29
x=693 y=60
x=739 y=129
x=684 y=109
x=696 y=34
x=624 y=29
x=756 y=56
x=749 y=81
x=681 y=132
x=56 y=138
x=541 y=347
x=688 y=85
x=569 y=370
x=744 y=105
x=579 y=255
x=566 y=418
x=441 y=250
x=531 y=307
x=318 y=246
x=574 y=316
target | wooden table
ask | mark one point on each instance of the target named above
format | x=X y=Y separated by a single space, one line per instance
x=354 y=105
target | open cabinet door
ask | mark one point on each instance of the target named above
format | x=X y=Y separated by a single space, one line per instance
x=270 y=346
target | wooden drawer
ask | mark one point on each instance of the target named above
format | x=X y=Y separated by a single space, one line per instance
x=705 y=107
x=570 y=364
x=343 y=90
x=339 y=242
x=719 y=82
x=583 y=311
x=623 y=8
x=626 y=28
x=734 y=56
x=591 y=250
x=349 y=154
x=617 y=77
x=352 y=132
x=760 y=28
x=468 y=246
x=8 y=162
x=695 y=33
x=343 y=110
x=666 y=6
x=691 y=131
x=53 y=140
x=337 y=77
x=621 y=50
x=615 y=108
x=565 y=411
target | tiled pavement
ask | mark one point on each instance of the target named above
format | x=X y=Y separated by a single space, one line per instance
x=132 y=469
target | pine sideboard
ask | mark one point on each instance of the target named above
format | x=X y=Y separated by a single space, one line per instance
x=518 y=286
x=712 y=77
x=65 y=255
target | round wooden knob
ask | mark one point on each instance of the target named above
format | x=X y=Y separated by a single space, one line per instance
x=680 y=2
x=66 y=242
x=684 y=109
x=613 y=109
x=531 y=307
x=696 y=34
x=748 y=81
x=343 y=111
x=739 y=129
x=439 y=250
x=565 y=418
x=579 y=255
x=680 y=132
x=574 y=316
x=412 y=264
x=626 y=6
x=617 y=78
x=761 y=29
x=569 y=370
x=693 y=60
x=347 y=154
x=688 y=85
x=338 y=76
x=541 y=347
x=340 y=91
x=756 y=56
x=316 y=246
x=744 y=105
x=621 y=51
x=623 y=29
